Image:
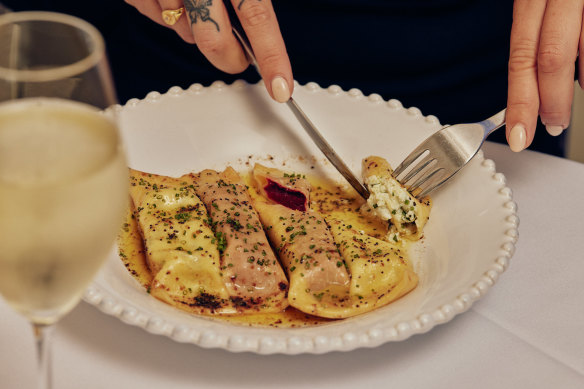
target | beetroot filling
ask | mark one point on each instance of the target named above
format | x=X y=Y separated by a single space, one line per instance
x=289 y=198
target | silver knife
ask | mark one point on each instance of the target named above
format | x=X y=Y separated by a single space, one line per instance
x=310 y=128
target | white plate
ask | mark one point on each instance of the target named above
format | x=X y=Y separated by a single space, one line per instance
x=469 y=240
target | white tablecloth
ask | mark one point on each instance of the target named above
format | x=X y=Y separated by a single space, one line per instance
x=527 y=332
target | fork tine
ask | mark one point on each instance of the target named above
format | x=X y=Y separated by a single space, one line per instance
x=418 y=168
x=430 y=178
x=444 y=178
x=429 y=189
x=414 y=155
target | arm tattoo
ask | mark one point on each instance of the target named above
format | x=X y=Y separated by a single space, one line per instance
x=241 y=3
x=199 y=9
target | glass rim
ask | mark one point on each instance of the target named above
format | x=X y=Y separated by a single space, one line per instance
x=57 y=72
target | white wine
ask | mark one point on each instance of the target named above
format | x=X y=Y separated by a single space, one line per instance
x=63 y=191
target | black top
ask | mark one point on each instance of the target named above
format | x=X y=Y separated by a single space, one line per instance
x=446 y=57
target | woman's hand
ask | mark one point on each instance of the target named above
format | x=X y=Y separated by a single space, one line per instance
x=545 y=39
x=207 y=25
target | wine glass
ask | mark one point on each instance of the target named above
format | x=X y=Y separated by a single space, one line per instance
x=63 y=174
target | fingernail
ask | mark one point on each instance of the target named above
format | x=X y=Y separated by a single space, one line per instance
x=554 y=130
x=517 y=138
x=280 y=89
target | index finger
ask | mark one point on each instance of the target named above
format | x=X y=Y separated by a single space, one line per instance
x=523 y=91
x=261 y=27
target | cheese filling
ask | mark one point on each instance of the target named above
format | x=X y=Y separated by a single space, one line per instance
x=392 y=202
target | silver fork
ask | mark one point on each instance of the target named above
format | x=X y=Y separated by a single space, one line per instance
x=443 y=154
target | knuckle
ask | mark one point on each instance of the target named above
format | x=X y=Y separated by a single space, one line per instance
x=270 y=59
x=522 y=56
x=208 y=41
x=524 y=105
x=556 y=113
x=550 y=58
x=254 y=14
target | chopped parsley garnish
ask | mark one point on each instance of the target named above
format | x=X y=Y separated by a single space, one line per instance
x=221 y=241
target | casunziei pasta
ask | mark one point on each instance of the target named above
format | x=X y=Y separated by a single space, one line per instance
x=272 y=247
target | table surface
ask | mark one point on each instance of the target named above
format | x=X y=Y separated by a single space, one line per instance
x=528 y=331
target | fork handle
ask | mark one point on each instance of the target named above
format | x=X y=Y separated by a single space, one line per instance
x=494 y=122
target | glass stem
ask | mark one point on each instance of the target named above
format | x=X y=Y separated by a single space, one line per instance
x=43 y=335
